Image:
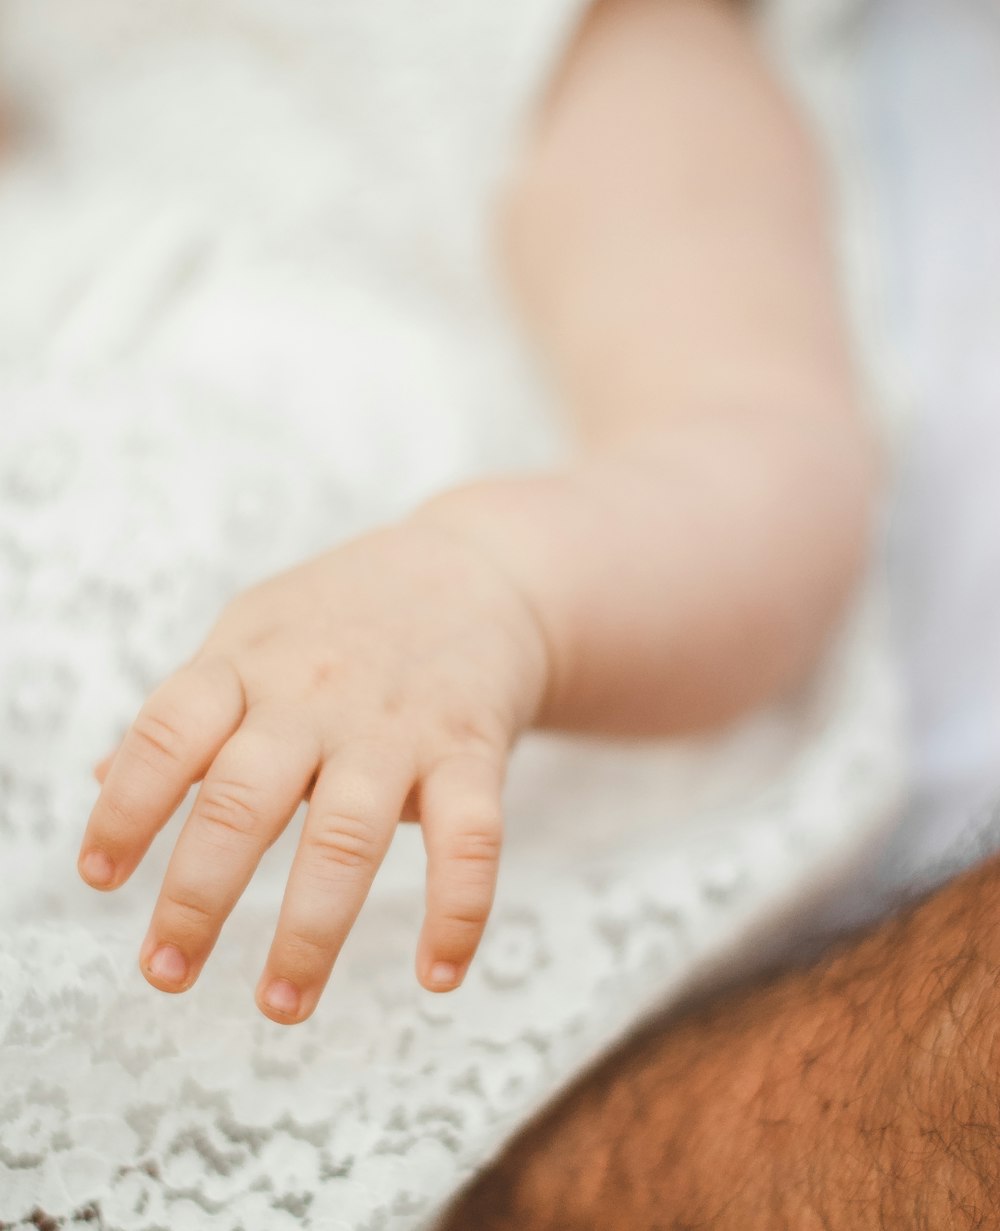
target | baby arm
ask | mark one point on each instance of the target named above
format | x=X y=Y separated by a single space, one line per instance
x=667 y=240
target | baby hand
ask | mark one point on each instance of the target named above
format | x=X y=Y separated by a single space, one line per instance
x=386 y=679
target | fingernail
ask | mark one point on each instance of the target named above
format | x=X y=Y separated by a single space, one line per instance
x=168 y=964
x=444 y=975
x=97 y=869
x=282 y=997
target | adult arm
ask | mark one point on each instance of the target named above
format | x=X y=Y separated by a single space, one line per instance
x=863 y=1092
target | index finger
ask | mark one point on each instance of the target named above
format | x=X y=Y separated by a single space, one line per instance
x=175 y=737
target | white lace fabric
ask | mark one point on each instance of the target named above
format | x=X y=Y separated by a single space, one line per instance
x=245 y=314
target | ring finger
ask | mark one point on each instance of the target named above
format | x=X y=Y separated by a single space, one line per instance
x=355 y=807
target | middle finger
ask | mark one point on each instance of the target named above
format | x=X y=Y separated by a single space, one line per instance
x=247 y=798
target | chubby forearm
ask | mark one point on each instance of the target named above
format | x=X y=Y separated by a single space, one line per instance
x=864 y=1092
x=679 y=581
x=666 y=239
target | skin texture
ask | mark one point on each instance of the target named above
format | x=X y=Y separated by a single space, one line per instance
x=386 y=678
x=677 y=282
x=863 y=1092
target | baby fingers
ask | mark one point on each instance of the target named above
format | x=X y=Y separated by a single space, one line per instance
x=355 y=806
x=175 y=737
x=250 y=793
x=463 y=829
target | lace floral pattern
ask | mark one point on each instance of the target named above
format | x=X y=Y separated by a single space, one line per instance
x=197 y=391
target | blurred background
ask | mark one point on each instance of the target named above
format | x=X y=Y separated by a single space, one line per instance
x=933 y=105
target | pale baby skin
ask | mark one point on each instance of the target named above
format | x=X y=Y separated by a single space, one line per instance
x=667 y=239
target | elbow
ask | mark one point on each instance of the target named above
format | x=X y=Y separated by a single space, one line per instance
x=801 y=518
x=832 y=488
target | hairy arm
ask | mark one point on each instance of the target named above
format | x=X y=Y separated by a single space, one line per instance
x=666 y=238
x=864 y=1092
